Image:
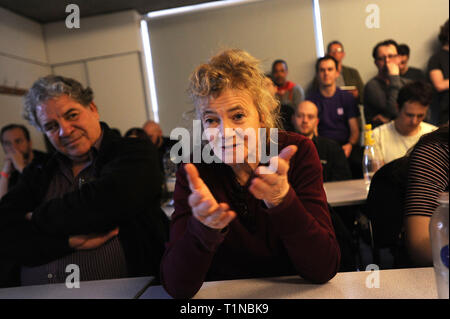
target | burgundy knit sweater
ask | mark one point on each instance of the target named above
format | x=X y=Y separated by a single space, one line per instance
x=295 y=237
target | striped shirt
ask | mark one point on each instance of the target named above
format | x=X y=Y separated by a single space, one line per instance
x=427 y=178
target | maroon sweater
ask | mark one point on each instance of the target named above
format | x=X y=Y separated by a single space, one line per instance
x=295 y=237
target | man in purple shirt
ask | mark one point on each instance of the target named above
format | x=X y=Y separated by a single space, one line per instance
x=338 y=112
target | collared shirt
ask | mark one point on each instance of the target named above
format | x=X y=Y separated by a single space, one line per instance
x=104 y=262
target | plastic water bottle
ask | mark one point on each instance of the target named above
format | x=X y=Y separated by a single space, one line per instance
x=439 y=245
x=372 y=159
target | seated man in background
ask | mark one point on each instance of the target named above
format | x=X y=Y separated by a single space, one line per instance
x=406 y=71
x=94 y=204
x=16 y=143
x=288 y=92
x=332 y=157
x=338 y=113
x=347 y=76
x=380 y=93
x=395 y=138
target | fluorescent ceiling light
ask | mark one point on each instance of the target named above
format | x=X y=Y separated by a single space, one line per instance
x=196 y=8
x=149 y=64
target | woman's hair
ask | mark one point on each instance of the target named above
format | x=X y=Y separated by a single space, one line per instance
x=50 y=87
x=233 y=69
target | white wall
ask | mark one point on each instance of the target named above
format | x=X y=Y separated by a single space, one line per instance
x=414 y=22
x=22 y=60
x=105 y=53
x=267 y=29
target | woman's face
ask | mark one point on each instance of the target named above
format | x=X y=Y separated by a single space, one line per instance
x=231 y=122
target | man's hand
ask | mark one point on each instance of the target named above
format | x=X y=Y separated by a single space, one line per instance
x=92 y=241
x=392 y=68
x=355 y=93
x=17 y=159
x=204 y=206
x=8 y=167
x=380 y=118
x=347 y=148
x=272 y=184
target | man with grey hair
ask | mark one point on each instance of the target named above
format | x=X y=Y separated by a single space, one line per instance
x=94 y=204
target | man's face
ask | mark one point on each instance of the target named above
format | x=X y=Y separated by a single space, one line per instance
x=386 y=54
x=306 y=118
x=410 y=116
x=327 y=73
x=403 y=63
x=71 y=127
x=337 y=52
x=14 y=139
x=155 y=134
x=279 y=73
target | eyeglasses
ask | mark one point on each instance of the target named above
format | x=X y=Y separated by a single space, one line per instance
x=390 y=56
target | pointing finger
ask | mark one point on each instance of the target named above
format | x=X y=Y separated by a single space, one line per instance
x=194 y=179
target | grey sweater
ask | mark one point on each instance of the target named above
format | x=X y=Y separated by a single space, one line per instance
x=381 y=98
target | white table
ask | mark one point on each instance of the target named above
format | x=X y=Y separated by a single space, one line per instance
x=346 y=193
x=413 y=283
x=124 y=288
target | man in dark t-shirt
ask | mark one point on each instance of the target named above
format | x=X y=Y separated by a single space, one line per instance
x=406 y=71
x=438 y=71
x=338 y=112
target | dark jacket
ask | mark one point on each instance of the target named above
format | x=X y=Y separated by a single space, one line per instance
x=334 y=163
x=125 y=193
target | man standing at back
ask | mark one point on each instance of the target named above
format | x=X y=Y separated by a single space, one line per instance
x=380 y=93
x=288 y=93
x=395 y=138
x=347 y=76
x=406 y=71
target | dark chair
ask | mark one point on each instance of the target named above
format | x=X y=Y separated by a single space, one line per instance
x=384 y=209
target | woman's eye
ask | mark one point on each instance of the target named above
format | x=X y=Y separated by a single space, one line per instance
x=238 y=116
x=209 y=121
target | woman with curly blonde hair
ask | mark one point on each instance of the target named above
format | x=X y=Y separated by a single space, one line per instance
x=241 y=219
